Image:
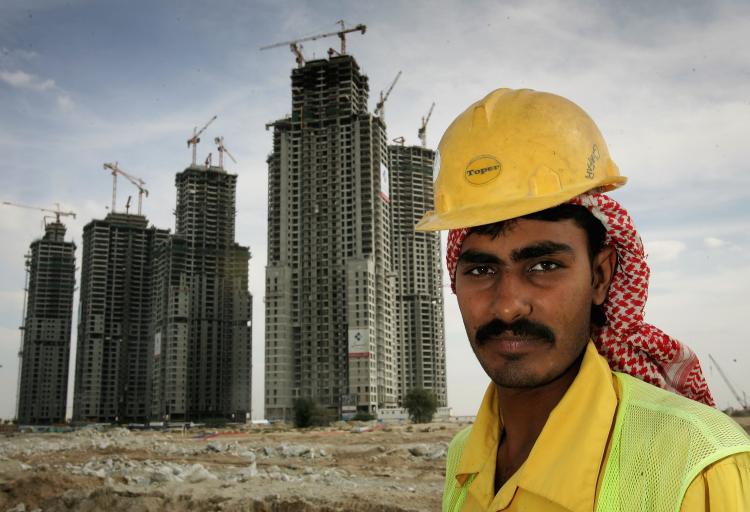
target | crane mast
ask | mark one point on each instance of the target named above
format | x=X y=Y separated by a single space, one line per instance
x=296 y=47
x=742 y=402
x=380 y=106
x=422 y=133
x=139 y=183
x=219 y=141
x=195 y=139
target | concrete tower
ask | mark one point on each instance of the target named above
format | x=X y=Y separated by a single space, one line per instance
x=417 y=265
x=45 y=346
x=329 y=282
x=202 y=306
x=112 y=375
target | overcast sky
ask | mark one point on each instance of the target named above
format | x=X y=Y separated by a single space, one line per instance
x=84 y=82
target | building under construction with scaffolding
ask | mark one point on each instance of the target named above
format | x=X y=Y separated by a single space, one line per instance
x=202 y=309
x=329 y=281
x=112 y=377
x=420 y=327
x=46 y=329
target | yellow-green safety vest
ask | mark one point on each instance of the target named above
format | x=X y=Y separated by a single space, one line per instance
x=660 y=442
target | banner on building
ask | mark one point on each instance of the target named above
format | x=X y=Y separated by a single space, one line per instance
x=157 y=344
x=385 y=183
x=359 y=343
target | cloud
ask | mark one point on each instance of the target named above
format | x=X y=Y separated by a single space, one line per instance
x=713 y=242
x=22 y=80
x=664 y=250
x=65 y=103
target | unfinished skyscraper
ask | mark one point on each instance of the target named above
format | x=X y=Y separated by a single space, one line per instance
x=45 y=345
x=419 y=322
x=329 y=281
x=112 y=379
x=202 y=307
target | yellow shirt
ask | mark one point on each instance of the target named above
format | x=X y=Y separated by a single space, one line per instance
x=565 y=465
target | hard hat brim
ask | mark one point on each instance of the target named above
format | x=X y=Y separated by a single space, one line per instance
x=480 y=215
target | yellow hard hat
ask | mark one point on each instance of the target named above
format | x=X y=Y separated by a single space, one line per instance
x=513 y=153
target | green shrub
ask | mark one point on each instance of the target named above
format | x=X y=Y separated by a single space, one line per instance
x=363 y=416
x=421 y=405
x=308 y=413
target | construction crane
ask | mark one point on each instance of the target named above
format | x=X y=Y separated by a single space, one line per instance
x=380 y=106
x=741 y=401
x=57 y=212
x=400 y=141
x=422 y=133
x=219 y=141
x=195 y=139
x=296 y=47
x=115 y=170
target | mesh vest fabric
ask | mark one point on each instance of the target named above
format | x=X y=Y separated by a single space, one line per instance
x=660 y=443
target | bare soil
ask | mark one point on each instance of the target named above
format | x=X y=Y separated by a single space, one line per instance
x=383 y=469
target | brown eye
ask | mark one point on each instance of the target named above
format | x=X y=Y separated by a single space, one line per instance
x=544 y=266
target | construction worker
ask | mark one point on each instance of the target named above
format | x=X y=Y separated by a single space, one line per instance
x=589 y=407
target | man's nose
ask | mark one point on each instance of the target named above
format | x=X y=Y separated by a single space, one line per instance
x=510 y=301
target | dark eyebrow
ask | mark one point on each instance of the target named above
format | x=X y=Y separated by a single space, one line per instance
x=472 y=256
x=540 y=249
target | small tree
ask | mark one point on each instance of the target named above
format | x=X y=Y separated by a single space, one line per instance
x=421 y=405
x=308 y=413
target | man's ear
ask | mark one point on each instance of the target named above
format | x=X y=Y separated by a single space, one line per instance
x=602 y=270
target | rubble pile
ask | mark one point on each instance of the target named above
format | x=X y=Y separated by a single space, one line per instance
x=364 y=469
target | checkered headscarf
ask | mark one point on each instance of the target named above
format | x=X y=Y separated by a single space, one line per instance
x=628 y=343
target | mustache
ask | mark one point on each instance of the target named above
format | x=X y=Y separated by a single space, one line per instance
x=522 y=328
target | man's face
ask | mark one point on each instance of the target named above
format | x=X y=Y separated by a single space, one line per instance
x=526 y=297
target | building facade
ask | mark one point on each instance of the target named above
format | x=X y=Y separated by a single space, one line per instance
x=201 y=331
x=45 y=346
x=329 y=278
x=420 y=326
x=112 y=375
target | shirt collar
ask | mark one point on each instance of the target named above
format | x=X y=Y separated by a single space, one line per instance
x=583 y=417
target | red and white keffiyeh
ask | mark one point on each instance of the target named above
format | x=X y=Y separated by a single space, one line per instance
x=628 y=343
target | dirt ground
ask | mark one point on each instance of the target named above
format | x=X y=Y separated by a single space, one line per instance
x=370 y=468
x=364 y=467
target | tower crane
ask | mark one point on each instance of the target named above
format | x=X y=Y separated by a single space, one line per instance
x=57 y=212
x=380 y=106
x=296 y=47
x=115 y=170
x=742 y=402
x=422 y=133
x=195 y=139
x=219 y=141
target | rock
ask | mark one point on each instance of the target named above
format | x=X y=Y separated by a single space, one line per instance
x=437 y=453
x=215 y=446
x=197 y=473
x=419 y=450
x=293 y=450
x=249 y=472
x=268 y=451
x=21 y=507
x=248 y=456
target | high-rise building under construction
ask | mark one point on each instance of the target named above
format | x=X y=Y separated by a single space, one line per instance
x=45 y=346
x=201 y=332
x=329 y=277
x=420 y=330
x=112 y=377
